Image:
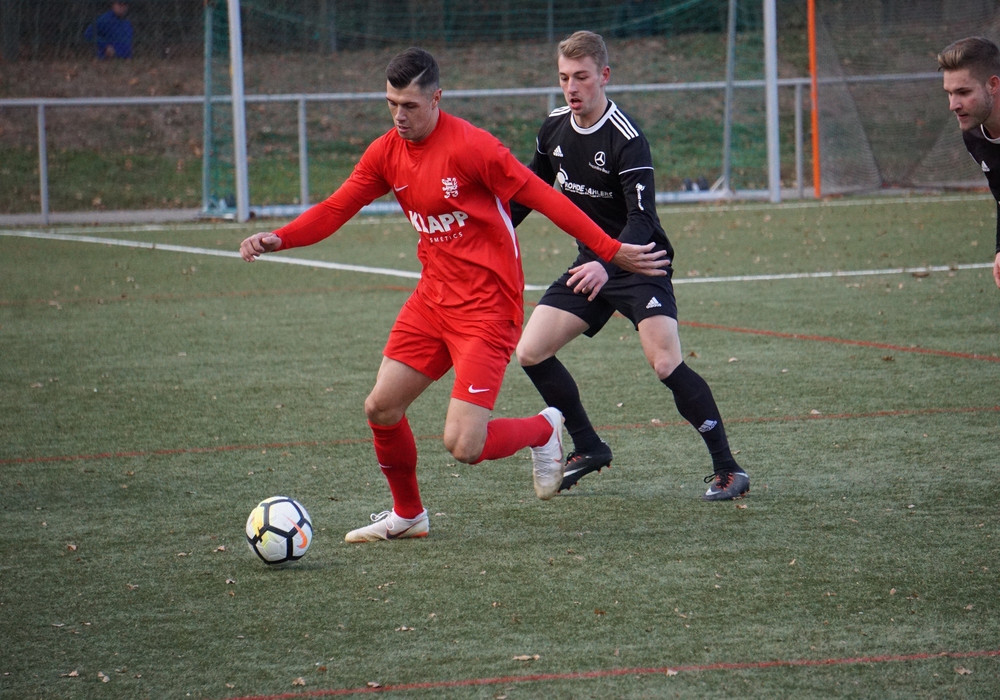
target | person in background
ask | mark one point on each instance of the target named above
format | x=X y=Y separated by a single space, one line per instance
x=971 y=69
x=111 y=33
x=602 y=161
x=454 y=182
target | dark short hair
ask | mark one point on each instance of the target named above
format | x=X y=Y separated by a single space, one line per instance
x=413 y=65
x=976 y=53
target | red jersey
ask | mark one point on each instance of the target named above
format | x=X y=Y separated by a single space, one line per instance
x=454 y=187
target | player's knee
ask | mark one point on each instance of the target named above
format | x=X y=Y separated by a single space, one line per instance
x=528 y=356
x=665 y=365
x=463 y=450
x=381 y=414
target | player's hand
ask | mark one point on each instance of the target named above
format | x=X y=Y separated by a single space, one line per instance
x=258 y=244
x=642 y=259
x=587 y=279
x=996 y=269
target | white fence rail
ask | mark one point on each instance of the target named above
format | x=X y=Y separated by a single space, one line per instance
x=800 y=87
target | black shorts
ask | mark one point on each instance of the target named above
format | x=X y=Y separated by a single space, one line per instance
x=634 y=296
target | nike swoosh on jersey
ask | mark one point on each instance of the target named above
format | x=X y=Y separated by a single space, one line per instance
x=399 y=189
x=474 y=390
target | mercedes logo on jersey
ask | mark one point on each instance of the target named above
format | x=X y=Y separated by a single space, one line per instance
x=600 y=158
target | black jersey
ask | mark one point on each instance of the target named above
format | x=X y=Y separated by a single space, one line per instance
x=987 y=154
x=606 y=170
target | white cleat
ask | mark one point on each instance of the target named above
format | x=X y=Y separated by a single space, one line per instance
x=389 y=526
x=547 y=460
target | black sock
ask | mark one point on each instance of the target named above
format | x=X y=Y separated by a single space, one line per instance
x=558 y=388
x=697 y=405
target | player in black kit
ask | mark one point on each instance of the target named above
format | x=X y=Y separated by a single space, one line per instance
x=602 y=161
x=971 y=68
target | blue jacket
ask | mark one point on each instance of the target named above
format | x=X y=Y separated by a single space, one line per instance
x=110 y=30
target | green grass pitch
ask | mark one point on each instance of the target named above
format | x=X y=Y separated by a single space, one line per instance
x=151 y=395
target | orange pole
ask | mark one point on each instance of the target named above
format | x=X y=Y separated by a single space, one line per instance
x=814 y=100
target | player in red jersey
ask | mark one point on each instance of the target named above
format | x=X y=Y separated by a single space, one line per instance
x=454 y=182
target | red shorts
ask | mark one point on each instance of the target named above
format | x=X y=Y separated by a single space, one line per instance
x=432 y=344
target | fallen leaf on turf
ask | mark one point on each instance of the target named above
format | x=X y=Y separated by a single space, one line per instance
x=373 y=684
x=527 y=657
x=299 y=681
x=892 y=591
x=962 y=671
x=404 y=628
x=103 y=678
x=671 y=672
x=71 y=674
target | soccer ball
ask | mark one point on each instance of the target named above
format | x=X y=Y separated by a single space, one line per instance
x=279 y=530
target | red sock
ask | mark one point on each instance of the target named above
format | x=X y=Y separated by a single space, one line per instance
x=396 y=451
x=505 y=436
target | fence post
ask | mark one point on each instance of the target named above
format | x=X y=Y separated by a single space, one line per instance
x=798 y=141
x=239 y=113
x=771 y=100
x=43 y=165
x=303 y=155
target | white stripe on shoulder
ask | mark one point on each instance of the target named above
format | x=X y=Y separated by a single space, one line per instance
x=623 y=125
x=559 y=111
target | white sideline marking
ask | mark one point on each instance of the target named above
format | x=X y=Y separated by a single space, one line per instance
x=835 y=273
x=52 y=236
x=49 y=235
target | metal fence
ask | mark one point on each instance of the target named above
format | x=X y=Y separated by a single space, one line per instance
x=883 y=120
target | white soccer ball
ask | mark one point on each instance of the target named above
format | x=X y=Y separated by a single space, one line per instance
x=279 y=530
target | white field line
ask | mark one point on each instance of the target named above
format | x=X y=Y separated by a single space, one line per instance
x=49 y=235
x=274 y=258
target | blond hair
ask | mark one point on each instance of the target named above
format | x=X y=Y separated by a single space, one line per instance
x=585 y=45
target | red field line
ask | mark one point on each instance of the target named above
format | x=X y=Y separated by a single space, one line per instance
x=356 y=441
x=610 y=673
x=844 y=341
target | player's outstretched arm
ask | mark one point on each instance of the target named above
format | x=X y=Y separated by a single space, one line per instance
x=642 y=259
x=996 y=270
x=563 y=213
x=258 y=244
